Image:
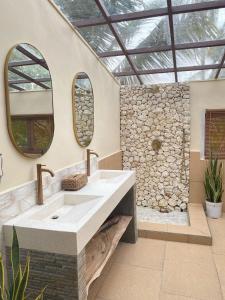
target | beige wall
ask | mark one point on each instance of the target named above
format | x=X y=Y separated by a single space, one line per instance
x=31 y=103
x=211 y=95
x=38 y=23
x=204 y=95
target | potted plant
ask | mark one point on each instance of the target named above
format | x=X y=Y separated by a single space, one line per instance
x=214 y=188
x=18 y=283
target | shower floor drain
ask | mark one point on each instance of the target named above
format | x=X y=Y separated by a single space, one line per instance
x=147 y=214
x=54 y=217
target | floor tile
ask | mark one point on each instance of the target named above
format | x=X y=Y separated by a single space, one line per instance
x=189 y=253
x=145 y=253
x=191 y=280
x=125 y=282
x=220 y=266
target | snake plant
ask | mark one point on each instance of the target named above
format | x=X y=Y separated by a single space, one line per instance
x=18 y=282
x=213 y=181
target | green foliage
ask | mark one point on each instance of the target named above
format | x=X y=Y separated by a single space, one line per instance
x=213 y=181
x=18 y=283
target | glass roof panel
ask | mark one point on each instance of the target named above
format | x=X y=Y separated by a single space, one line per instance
x=13 y=76
x=76 y=10
x=158 y=78
x=17 y=56
x=222 y=73
x=117 y=63
x=32 y=50
x=199 y=56
x=34 y=71
x=128 y=80
x=124 y=6
x=184 y=2
x=30 y=87
x=199 y=26
x=145 y=33
x=196 y=75
x=156 y=60
x=100 y=38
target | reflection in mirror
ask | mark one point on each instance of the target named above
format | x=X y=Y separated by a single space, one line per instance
x=83 y=109
x=29 y=101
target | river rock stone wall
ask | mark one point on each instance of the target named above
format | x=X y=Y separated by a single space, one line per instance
x=84 y=116
x=155 y=140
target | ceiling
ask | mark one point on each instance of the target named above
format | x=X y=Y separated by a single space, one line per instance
x=153 y=41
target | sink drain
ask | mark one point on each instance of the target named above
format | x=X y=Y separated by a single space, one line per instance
x=54 y=217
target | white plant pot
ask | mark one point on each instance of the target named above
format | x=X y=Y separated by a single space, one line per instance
x=214 y=210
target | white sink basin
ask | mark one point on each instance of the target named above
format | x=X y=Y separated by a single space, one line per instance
x=68 y=220
x=107 y=176
x=68 y=208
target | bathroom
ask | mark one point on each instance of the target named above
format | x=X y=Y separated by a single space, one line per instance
x=143 y=151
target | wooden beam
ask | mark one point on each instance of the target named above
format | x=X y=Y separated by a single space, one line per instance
x=169 y=5
x=36 y=81
x=146 y=50
x=22 y=63
x=168 y=70
x=16 y=87
x=187 y=8
x=39 y=61
x=22 y=81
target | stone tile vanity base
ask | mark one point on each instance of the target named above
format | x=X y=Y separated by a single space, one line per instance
x=62 y=275
x=197 y=232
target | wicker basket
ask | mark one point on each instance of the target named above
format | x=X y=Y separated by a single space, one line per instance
x=74 y=182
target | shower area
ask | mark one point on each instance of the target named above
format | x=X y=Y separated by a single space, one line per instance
x=155 y=140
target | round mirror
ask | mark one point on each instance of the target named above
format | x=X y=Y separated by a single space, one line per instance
x=83 y=109
x=29 y=101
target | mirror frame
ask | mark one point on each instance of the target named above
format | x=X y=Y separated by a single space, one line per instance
x=74 y=109
x=7 y=102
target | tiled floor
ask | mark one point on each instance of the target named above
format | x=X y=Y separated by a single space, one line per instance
x=160 y=270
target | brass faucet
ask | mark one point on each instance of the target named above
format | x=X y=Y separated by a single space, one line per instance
x=89 y=153
x=40 y=170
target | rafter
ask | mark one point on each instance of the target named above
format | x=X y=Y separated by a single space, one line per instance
x=168 y=70
x=146 y=50
x=15 y=87
x=30 y=79
x=32 y=57
x=22 y=63
x=150 y=13
x=169 y=5
x=22 y=81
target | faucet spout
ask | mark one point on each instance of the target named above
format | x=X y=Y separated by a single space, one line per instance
x=89 y=153
x=48 y=171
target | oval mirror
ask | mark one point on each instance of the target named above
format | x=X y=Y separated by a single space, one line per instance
x=83 y=109
x=29 y=101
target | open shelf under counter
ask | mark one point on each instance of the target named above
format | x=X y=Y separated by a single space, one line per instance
x=102 y=246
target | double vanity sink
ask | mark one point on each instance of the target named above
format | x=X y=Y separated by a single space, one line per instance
x=67 y=221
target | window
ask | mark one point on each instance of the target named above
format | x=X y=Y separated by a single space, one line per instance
x=215 y=133
x=32 y=133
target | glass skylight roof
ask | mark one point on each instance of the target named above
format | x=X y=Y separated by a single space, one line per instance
x=148 y=32
x=153 y=41
x=27 y=70
x=125 y=6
